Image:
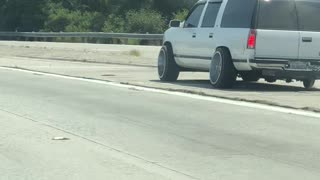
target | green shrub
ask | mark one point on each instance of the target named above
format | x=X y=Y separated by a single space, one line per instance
x=73 y=21
x=135 y=53
x=115 y=24
x=144 y=21
x=181 y=15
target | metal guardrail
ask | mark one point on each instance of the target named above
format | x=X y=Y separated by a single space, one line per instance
x=82 y=35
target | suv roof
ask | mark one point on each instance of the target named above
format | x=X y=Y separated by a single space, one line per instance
x=209 y=1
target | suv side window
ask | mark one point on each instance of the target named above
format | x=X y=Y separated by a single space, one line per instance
x=238 y=14
x=308 y=11
x=277 y=15
x=211 y=14
x=194 y=16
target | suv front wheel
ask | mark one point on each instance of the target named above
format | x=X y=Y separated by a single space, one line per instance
x=168 y=70
x=222 y=71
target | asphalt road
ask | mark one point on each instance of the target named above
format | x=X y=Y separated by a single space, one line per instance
x=280 y=93
x=125 y=133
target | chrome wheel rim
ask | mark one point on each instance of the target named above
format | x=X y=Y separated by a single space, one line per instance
x=162 y=63
x=216 y=68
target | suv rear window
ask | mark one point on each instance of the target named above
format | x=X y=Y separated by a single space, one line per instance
x=308 y=14
x=238 y=14
x=277 y=15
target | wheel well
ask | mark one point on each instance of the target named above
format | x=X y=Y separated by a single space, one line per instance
x=167 y=43
x=224 y=47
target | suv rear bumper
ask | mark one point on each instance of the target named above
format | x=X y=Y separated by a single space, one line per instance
x=291 y=74
x=286 y=68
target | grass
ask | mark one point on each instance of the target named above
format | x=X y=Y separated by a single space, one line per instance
x=135 y=53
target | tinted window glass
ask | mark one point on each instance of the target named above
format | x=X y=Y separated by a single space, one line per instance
x=194 y=17
x=238 y=14
x=210 y=16
x=308 y=14
x=277 y=15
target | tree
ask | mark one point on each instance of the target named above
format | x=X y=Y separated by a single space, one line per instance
x=169 y=7
x=123 y=6
x=114 y=24
x=22 y=15
x=90 y=15
x=181 y=15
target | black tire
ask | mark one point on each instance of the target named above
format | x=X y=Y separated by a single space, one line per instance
x=250 y=76
x=222 y=71
x=168 y=69
x=271 y=79
x=309 y=83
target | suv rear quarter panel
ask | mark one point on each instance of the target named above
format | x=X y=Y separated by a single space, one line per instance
x=235 y=39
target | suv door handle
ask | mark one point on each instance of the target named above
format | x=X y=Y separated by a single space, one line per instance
x=211 y=35
x=194 y=35
x=306 y=39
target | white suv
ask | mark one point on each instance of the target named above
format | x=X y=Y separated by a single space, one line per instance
x=253 y=39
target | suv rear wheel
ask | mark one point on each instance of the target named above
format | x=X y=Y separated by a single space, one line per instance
x=250 y=76
x=168 y=70
x=222 y=71
x=309 y=83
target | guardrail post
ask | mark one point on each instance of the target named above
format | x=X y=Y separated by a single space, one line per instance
x=85 y=39
x=125 y=41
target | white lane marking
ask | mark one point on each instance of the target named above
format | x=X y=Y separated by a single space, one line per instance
x=181 y=94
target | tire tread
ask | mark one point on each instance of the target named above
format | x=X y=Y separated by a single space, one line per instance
x=172 y=70
x=228 y=72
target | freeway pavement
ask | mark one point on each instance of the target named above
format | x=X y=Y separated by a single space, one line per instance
x=279 y=94
x=117 y=132
x=137 y=65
